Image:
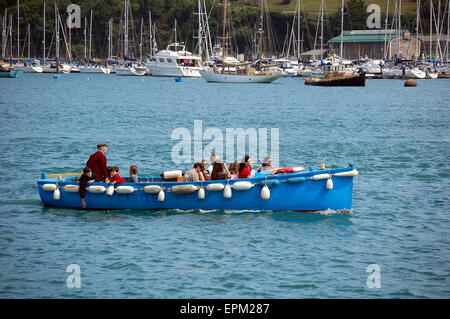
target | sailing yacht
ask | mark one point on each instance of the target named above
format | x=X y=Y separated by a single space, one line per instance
x=241 y=72
x=131 y=69
x=27 y=67
x=96 y=68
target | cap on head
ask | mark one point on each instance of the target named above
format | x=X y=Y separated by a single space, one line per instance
x=101 y=145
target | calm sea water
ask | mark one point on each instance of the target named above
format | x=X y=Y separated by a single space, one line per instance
x=398 y=138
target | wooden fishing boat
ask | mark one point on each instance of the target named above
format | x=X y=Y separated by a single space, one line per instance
x=338 y=79
x=290 y=190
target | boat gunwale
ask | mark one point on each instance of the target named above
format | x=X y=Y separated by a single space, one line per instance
x=254 y=180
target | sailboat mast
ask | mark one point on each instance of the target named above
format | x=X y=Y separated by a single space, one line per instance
x=208 y=45
x=386 y=20
x=4 y=35
x=298 y=28
x=150 y=34
x=224 y=30
x=417 y=25
x=448 y=27
x=28 y=32
x=18 y=29
x=126 y=30
x=342 y=31
x=43 y=47
x=200 y=44
x=85 y=37
x=321 y=29
x=399 y=25
x=10 y=39
x=261 y=31
x=438 y=32
x=90 y=37
x=431 y=28
x=109 y=38
x=140 y=40
x=57 y=33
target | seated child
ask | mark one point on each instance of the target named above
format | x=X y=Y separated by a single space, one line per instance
x=115 y=177
x=133 y=174
x=86 y=178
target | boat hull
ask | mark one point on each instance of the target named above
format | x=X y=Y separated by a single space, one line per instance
x=233 y=78
x=11 y=74
x=98 y=70
x=309 y=195
x=359 y=80
x=131 y=71
x=173 y=71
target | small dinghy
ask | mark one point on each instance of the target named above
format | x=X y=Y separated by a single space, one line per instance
x=287 y=189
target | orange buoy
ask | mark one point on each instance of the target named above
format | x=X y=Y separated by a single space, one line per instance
x=410 y=83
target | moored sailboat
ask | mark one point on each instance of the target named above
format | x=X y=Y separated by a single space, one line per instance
x=240 y=72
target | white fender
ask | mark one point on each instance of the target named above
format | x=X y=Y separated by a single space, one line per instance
x=161 y=196
x=57 y=194
x=319 y=177
x=184 y=189
x=125 y=189
x=96 y=189
x=329 y=184
x=265 y=193
x=49 y=187
x=201 y=193
x=216 y=187
x=110 y=190
x=71 y=188
x=242 y=186
x=152 y=189
x=227 y=192
x=172 y=174
x=349 y=173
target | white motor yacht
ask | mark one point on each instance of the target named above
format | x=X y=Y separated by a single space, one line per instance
x=175 y=61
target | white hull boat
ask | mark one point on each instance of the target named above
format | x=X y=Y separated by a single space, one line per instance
x=131 y=71
x=94 y=69
x=235 y=78
x=415 y=74
x=28 y=69
x=175 y=61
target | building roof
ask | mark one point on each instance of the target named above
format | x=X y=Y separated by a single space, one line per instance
x=367 y=36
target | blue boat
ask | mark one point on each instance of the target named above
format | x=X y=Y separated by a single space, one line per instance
x=311 y=190
x=10 y=73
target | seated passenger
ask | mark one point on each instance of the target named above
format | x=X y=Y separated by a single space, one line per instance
x=213 y=159
x=234 y=170
x=86 y=178
x=194 y=174
x=266 y=165
x=204 y=168
x=115 y=177
x=133 y=174
x=220 y=171
x=245 y=167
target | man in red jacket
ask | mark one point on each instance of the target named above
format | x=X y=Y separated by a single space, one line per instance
x=97 y=162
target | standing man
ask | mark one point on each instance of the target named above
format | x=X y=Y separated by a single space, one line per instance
x=97 y=162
